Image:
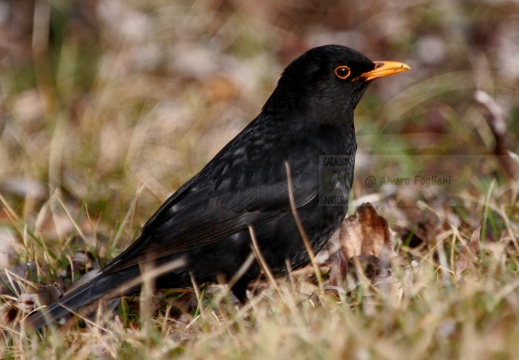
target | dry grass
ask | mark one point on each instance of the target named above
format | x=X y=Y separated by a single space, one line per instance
x=420 y=314
x=102 y=120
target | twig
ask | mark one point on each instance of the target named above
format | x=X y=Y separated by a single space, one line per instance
x=302 y=231
x=261 y=260
x=496 y=120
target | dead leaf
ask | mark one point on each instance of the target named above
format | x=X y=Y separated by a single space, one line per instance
x=338 y=269
x=365 y=239
x=47 y=294
x=365 y=233
x=348 y=274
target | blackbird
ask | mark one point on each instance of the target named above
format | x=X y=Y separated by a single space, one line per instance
x=307 y=124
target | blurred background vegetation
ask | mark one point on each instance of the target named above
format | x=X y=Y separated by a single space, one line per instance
x=101 y=97
x=107 y=102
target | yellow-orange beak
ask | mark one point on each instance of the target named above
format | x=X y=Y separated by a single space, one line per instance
x=384 y=68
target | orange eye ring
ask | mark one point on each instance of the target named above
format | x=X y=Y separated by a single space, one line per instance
x=342 y=72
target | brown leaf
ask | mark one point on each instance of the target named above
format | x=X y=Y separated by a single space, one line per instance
x=47 y=294
x=349 y=272
x=338 y=270
x=365 y=233
x=365 y=239
x=468 y=256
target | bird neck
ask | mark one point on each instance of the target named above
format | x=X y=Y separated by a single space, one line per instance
x=282 y=101
x=330 y=125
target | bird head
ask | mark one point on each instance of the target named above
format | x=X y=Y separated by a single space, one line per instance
x=328 y=80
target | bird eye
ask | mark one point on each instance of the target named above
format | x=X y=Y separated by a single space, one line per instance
x=342 y=72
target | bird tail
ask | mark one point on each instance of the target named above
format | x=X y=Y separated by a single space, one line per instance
x=106 y=285
x=81 y=296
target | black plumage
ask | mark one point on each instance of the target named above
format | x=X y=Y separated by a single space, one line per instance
x=206 y=222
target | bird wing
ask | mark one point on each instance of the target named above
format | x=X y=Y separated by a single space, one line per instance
x=243 y=185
